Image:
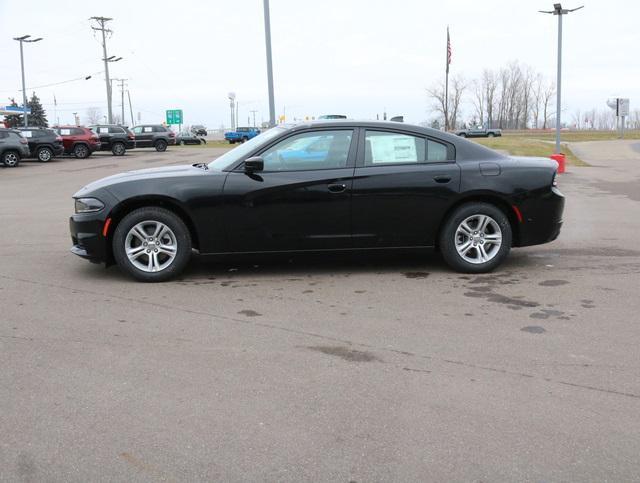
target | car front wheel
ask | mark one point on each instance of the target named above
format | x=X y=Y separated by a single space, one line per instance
x=44 y=155
x=476 y=238
x=152 y=244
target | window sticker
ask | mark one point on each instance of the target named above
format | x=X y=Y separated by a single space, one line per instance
x=148 y=129
x=65 y=132
x=393 y=149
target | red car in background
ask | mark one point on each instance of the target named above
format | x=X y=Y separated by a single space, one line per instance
x=79 y=141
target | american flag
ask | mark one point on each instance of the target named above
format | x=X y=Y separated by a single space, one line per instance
x=448 y=50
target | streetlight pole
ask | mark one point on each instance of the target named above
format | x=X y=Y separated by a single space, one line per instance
x=559 y=11
x=24 y=38
x=267 y=38
x=101 y=21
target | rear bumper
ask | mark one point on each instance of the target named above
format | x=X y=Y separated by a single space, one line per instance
x=542 y=219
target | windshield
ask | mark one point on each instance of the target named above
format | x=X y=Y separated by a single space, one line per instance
x=231 y=157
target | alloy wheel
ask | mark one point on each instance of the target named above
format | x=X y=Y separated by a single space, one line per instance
x=11 y=159
x=151 y=246
x=478 y=239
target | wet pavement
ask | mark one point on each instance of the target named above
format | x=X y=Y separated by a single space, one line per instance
x=350 y=368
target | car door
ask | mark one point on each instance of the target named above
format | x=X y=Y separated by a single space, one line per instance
x=300 y=201
x=144 y=136
x=103 y=134
x=403 y=184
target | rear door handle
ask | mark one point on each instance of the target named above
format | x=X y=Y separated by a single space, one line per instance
x=337 y=188
x=442 y=179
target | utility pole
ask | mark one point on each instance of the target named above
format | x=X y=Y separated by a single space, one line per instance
x=101 y=21
x=232 y=100
x=559 y=11
x=75 y=118
x=267 y=38
x=254 y=117
x=23 y=39
x=122 y=86
x=130 y=108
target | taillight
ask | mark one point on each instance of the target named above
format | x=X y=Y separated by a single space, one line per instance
x=131 y=136
x=94 y=137
x=23 y=141
x=554 y=181
x=59 y=138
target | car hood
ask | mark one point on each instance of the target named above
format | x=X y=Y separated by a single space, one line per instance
x=140 y=174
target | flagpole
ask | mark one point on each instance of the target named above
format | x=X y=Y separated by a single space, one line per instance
x=446 y=86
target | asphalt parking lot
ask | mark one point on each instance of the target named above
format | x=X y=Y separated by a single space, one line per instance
x=334 y=368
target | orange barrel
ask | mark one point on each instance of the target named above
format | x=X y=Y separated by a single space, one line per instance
x=560 y=159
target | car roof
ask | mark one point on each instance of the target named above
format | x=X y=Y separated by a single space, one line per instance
x=465 y=149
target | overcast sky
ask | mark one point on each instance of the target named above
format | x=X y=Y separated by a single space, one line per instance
x=354 y=57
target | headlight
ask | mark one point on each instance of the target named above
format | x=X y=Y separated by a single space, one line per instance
x=88 y=205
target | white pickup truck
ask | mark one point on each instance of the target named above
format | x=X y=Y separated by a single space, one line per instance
x=478 y=132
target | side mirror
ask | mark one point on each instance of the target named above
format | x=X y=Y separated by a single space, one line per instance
x=255 y=163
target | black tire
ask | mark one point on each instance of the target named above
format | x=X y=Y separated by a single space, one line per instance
x=244 y=139
x=81 y=151
x=203 y=141
x=232 y=142
x=11 y=159
x=153 y=214
x=448 y=238
x=118 y=148
x=44 y=154
x=462 y=135
x=160 y=145
x=490 y=135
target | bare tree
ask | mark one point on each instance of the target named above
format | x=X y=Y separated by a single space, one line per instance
x=489 y=85
x=479 y=98
x=93 y=115
x=436 y=93
x=457 y=87
x=548 y=94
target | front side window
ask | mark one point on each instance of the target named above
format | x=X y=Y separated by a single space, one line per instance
x=388 y=148
x=310 y=151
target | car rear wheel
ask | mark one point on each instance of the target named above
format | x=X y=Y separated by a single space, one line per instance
x=80 y=151
x=462 y=135
x=44 y=155
x=476 y=238
x=245 y=139
x=152 y=244
x=161 y=146
x=11 y=159
x=490 y=135
x=118 y=149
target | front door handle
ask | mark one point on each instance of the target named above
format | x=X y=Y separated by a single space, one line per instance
x=337 y=188
x=442 y=179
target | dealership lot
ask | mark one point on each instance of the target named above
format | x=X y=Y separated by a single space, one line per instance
x=340 y=368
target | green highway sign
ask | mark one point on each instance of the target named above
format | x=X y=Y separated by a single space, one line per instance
x=174 y=116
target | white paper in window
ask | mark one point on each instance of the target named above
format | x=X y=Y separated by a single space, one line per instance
x=393 y=149
x=148 y=129
x=65 y=132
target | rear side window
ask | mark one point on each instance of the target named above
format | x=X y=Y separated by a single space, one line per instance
x=436 y=151
x=76 y=131
x=115 y=130
x=159 y=129
x=393 y=148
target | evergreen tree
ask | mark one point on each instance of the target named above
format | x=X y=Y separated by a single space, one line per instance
x=38 y=116
x=13 y=120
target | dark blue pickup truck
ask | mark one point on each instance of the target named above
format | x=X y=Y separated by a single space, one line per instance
x=241 y=134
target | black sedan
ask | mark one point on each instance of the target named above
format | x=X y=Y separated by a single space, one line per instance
x=318 y=187
x=186 y=137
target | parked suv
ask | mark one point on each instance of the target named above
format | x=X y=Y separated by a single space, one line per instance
x=116 y=139
x=79 y=141
x=154 y=136
x=13 y=147
x=44 y=143
x=199 y=130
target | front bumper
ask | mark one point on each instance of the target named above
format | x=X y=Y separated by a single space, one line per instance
x=87 y=239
